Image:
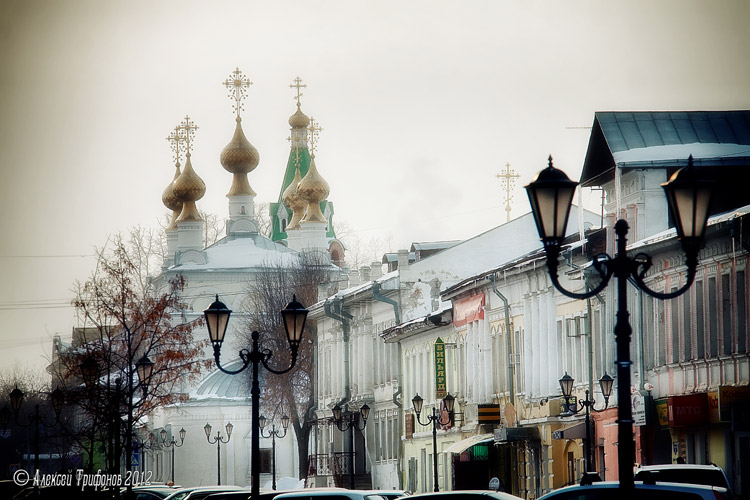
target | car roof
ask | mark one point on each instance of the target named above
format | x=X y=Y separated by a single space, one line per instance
x=704 y=490
x=677 y=466
x=474 y=493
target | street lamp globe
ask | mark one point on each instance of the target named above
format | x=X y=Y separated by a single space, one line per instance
x=566 y=385
x=285 y=422
x=262 y=422
x=207 y=429
x=550 y=195
x=58 y=399
x=606 y=383
x=294 y=315
x=163 y=434
x=16 y=396
x=417 y=403
x=217 y=320
x=688 y=197
x=89 y=370
x=229 y=428
x=183 y=432
x=365 y=411
x=337 y=413
x=145 y=368
x=449 y=402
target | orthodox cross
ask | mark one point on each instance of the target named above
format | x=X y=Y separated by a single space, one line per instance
x=237 y=84
x=314 y=131
x=508 y=178
x=187 y=129
x=298 y=85
x=175 y=139
x=294 y=140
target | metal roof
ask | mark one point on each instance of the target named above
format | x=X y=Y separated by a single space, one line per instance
x=616 y=132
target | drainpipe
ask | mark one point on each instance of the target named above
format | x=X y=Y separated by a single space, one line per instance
x=338 y=314
x=509 y=376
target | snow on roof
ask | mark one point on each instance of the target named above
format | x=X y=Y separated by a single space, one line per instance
x=673 y=151
x=250 y=251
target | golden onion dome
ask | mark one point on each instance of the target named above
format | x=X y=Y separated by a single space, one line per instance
x=189 y=188
x=299 y=119
x=293 y=200
x=313 y=189
x=170 y=200
x=239 y=157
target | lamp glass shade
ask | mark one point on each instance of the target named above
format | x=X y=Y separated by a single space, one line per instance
x=449 y=402
x=550 y=195
x=566 y=385
x=163 y=434
x=285 y=422
x=417 y=403
x=262 y=422
x=337 y=413
x=207 y=429
x=144 y=367
x=606 y=383
x=183 y=432
x=217 y=319
x=229 y=428
x=689 y=198
x=16 y=396
x=58 y=399
x=294 y=316
x=365 y=411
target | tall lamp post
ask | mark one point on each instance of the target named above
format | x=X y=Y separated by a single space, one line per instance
x=434 y=419
x=688 y=198
x=566 y=385
x=217 y=319
x=218 y=440
x=350 y=424
x=37 y=418
x=273 y=434
x=172 y=443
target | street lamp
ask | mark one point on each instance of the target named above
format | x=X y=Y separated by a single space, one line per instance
x=688 y=197
x=350 y=424
x=566 y=385
x=217 y=320
x=218 y=440
x=434 y=419
x=173 y=443
x=57 y=397
x=273 y=434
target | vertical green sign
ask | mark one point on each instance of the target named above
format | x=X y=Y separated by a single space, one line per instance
x=440 y=389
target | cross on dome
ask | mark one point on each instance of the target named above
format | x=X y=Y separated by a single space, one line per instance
x=237 y=83
x=187 y=128
x=508 y=177
x=314 y=132
x=298 y=85
x=176 y=138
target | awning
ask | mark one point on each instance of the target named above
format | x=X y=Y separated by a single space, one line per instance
x=574 y=431
x=467 y=443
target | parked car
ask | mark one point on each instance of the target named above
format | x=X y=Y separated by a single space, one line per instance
x=245 y=495
x=201 y=492
x=466 y=494
x=610 y=490
x=329 y=494
x=155 y=492
x=388 y=494
x=710 y=475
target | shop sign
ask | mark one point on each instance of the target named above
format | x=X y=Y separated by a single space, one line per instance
x=714 y=415
x=468 y=310
x=440 y=388
x=409 y=424
x=685 y=411
x=638 y=405
x=662 y=413
x=731 y=395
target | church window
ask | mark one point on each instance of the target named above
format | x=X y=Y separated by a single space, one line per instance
x=242 y=210
x=265 y=461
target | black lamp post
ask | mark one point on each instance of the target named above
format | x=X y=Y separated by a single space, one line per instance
x=218 y=440
x=172 y=443
x=434 y=419
x=688 y=197
x=350 y=424
x=217 y=319
x=566 y=385
x=273 y=434
x=38 y=418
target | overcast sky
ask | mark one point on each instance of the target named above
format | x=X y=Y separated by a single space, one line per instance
x=421 y=102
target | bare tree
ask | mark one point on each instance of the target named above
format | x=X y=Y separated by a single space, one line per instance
x=293 y=393
x=123 y=320
x=361 y=251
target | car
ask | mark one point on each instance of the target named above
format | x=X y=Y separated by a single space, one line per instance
x=154 y=492
x=387 y=494
x=201 y=492
x=329 y=494
x=710 y=475
x=245 y=495
x=610 y=490
x=466 y=494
